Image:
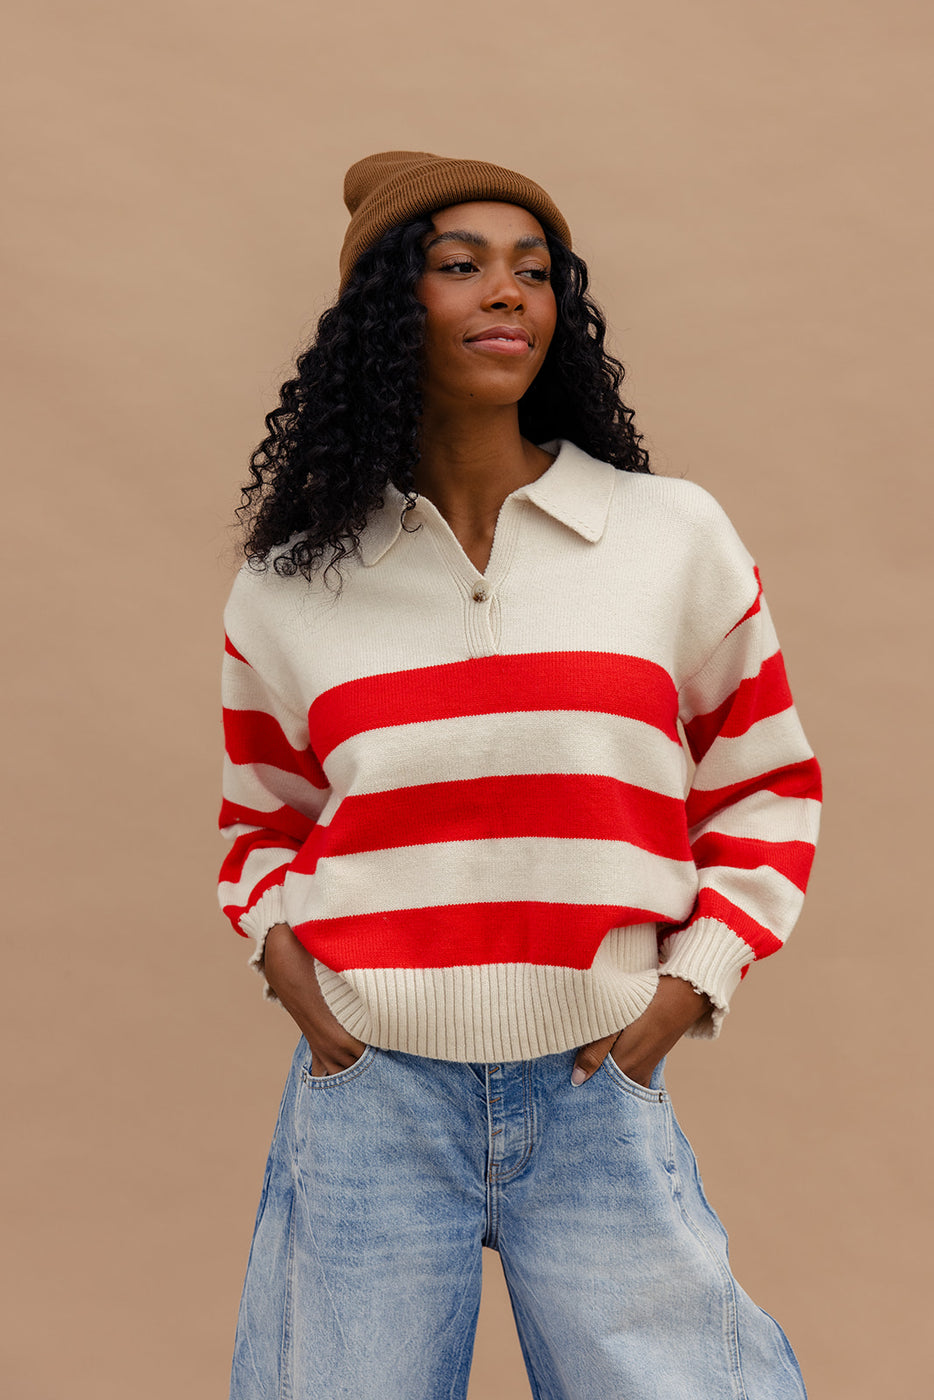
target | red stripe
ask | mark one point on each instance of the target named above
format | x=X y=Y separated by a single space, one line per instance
x=599 y=682
x=244 y=846
x=231 y=650
x=712 y=905
x=797 y=780
x=235 y=912
x=757 y=698
x=253 y=736
x=579 y=807
x=754 y=607
x=467 y=935
x=793 y=859
x=285 y=821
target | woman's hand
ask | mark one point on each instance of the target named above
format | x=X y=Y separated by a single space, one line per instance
x=637 y=1050
x=290 y=971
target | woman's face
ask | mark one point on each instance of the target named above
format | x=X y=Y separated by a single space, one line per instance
x=491 y=308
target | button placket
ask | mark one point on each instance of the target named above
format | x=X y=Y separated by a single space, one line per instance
x=482 y=617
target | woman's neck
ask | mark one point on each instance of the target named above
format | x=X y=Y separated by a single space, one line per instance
x=468 y=468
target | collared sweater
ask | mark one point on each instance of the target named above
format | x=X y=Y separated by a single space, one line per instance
x=470 y=794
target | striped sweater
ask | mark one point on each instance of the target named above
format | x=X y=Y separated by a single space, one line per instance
x=468 y=794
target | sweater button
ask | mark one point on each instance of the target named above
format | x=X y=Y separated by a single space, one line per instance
x=479 y=594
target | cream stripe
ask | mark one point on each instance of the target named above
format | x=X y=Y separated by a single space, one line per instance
x=770 y=743
x=763 y=893
x=264 y=788
x=739 y=657
x=479 y=746
x=256 y=866
x=244 y=690
x=242 y=685
x=470 y=872
x=764 y=817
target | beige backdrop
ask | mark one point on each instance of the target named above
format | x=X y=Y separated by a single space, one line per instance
x=744 y=179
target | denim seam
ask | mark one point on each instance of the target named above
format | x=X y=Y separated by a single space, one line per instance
x=285 y=1390
x=285 y=1353
x=731 y=1330
x=492 y=1213
x=528 y=1114
x=496 y=1179
x=491 y=1183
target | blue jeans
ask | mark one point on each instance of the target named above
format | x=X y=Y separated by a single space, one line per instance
x=385 y=1181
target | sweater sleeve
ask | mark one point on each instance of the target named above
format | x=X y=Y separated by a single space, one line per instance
x=274 y=791
x=752 y=812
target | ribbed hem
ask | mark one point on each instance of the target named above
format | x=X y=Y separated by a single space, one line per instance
x=256 y=922
x=710 y=956
x=497 y=1011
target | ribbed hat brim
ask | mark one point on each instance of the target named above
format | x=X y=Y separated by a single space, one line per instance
x=387 y=189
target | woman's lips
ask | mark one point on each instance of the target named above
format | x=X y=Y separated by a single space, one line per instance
x=500 y=345
x=501 y=340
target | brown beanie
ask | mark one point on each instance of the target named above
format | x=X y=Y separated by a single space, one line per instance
x=387 y=189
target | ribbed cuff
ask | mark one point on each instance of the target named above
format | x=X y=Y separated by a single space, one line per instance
x=710 y=956
x=256 y=922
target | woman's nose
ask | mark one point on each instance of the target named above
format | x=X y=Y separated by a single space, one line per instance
x=503 y=292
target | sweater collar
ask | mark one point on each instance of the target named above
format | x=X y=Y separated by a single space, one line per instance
x=575 y=490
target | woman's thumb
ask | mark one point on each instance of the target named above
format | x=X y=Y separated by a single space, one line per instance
x=590 y=1057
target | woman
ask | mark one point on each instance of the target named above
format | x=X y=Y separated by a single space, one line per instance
x=470 y=623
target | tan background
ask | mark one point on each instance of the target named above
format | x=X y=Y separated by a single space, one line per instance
x=744 y=179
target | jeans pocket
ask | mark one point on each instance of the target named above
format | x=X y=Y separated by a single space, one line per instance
x=654 y=1093
x=343 y=1076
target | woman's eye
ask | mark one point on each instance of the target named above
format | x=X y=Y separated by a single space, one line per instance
x=536 y=274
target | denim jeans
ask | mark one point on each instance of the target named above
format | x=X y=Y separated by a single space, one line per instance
x=385 y=1181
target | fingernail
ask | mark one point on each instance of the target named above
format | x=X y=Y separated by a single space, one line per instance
x=578 y=1075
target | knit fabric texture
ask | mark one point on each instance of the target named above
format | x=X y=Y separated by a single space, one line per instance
x=387 y=189
x=470 y=795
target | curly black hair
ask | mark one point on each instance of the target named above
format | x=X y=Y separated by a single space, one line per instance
x=347 y=424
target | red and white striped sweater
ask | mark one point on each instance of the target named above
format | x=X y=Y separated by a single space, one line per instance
x=466 y=793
